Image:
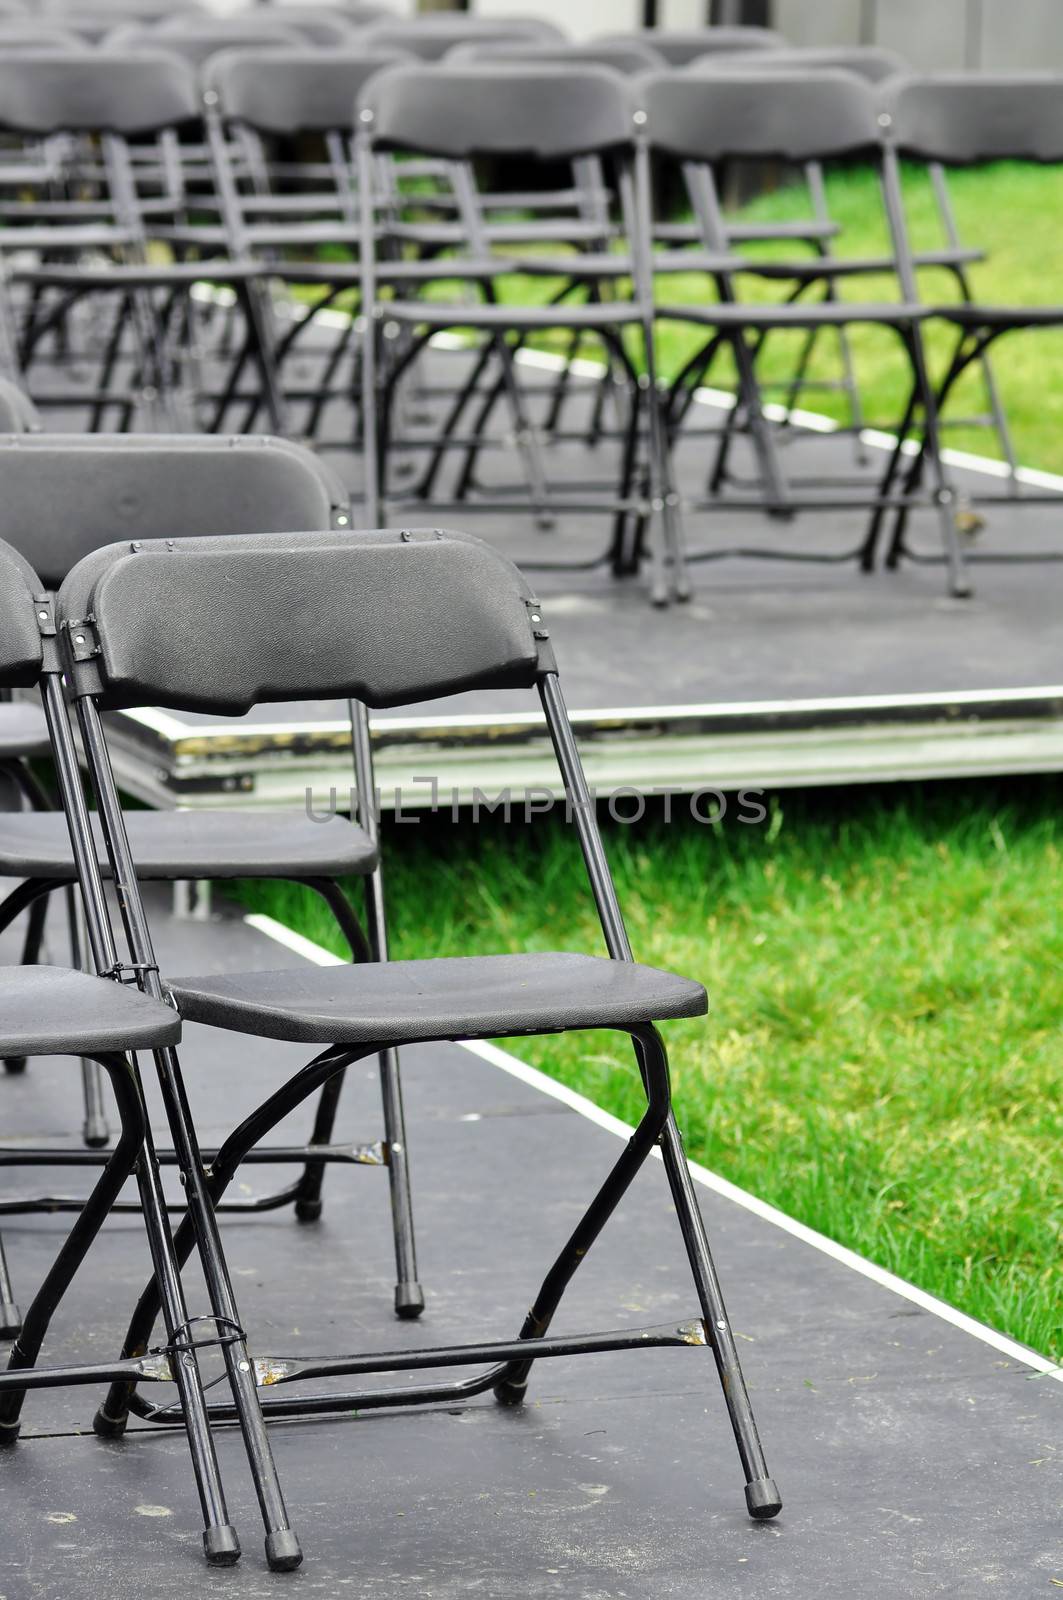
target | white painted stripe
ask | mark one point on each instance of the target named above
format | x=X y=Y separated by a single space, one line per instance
x=516 y=1068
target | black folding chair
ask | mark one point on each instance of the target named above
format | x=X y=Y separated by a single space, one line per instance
x=797 y=118
x=290 y=224
x=51 y=1011
x=875 y=66
x=546 y=115
x=86 y=107
x=390 y=618
x=959 y=120
x=65 y=497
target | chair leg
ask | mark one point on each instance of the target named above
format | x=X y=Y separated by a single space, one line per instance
x=409 y=1296
x=762 y=1495
x=283 y=1551
x=10 y=1315
x=94 y=1132
x=31 y=954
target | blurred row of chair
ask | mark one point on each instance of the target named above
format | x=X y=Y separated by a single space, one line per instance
x=226 y=219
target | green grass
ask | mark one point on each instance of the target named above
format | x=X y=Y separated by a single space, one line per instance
x=884 y=1053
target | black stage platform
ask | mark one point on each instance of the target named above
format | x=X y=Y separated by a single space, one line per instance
x=777 y=672
x=916 y=1460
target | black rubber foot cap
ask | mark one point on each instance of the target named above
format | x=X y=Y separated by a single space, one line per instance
x=221 y=1545
x=10 y=1320
x=409 y=1301
x=106 y=1427
x=763 y=1499
x=308 y=1210
x=9 y=1434
x=14 y=1065
x=283 y=1551
x=510 y=1394
x=95 y=1133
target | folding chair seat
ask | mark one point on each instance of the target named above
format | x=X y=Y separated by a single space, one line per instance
x=65 y=497
x=798 y=118
x=177 y=845
x=546 y=115
x=463 y=997
x=55 y=1012
x=965 y=120
x=391 y=617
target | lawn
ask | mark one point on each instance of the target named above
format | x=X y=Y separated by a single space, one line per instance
x=884 y=1053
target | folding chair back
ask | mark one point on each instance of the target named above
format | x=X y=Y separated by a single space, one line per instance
x=196 y=44
x=866 y=61
x=65 y=495
x=302 y=91
x=793 y=117
x=270 y=618
x=51 y=91
x=679 y=46
x=430 y=37
x=20 y=639
x=315 y=25
x=27 y=33
x=627 y=59
x=499 y=109
x=962 y=119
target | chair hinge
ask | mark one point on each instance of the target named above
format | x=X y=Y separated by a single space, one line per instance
x=82 y=638
x=537 y=620
x=130 y=971
x=43 y=605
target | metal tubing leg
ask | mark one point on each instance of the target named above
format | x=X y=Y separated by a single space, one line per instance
x=31 y=954
x=762 y=1496
x=113 y=1414
x=220 y=1541
x=94 y=1132
x=512 y=1385
x=10 y=1315
x=283 y=1551
x=25 y=1350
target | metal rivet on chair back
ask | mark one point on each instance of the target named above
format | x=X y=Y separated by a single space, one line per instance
x=957 y=118
x=765 y=116
x=66 y=495
x=222 y=625
x=50 y=91
x=303 y=90
x=503 y=109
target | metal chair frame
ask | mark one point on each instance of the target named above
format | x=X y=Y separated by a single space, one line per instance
x=510 y=1361
x=304 y=1192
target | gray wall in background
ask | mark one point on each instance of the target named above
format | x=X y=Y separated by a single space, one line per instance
x=1000 y=35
